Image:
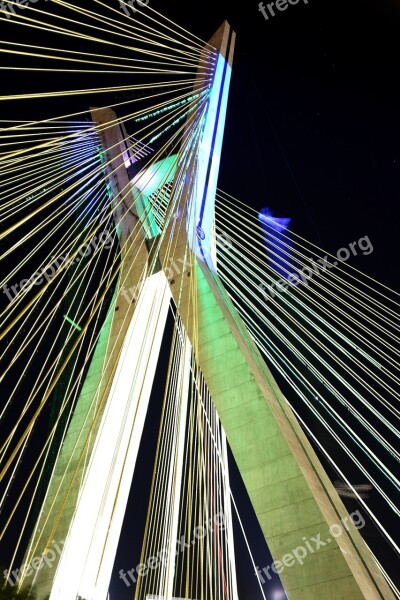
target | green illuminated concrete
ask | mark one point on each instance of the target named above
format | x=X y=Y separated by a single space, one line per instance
x=292 y=496
x=70 y=468
x=60 y=502
x=290 y=492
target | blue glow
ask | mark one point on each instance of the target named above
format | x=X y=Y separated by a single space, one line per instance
x=276 y=227
x=278 y=595
x=201 y=213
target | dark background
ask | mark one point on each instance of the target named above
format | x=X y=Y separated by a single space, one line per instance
x=312 y=133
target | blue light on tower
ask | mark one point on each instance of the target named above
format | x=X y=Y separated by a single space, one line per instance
x=200 y=223
x=277 y=241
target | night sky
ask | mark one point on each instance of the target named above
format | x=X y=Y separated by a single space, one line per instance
x=312 y=133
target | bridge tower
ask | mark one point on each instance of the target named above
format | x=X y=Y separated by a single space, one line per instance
x=289 y=490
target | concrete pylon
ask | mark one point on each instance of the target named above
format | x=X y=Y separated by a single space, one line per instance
x=290 y=492
x=292 y=496
x=86 y=497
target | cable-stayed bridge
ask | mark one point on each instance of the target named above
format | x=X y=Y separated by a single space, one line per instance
x=112 y=223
